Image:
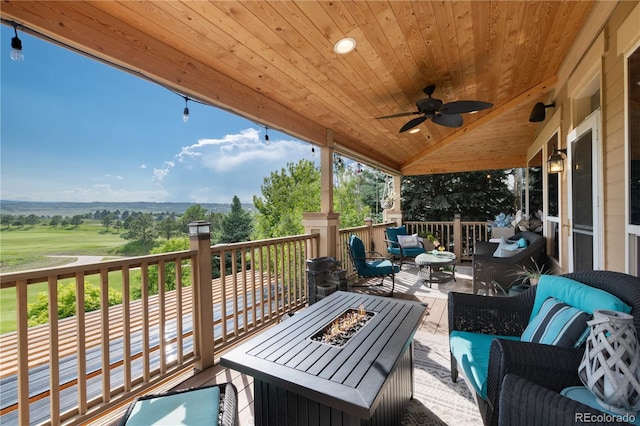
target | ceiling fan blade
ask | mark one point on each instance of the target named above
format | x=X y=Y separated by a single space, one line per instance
x=448 y=120
x=412 y=123
x=460 y=107
x=401 y=114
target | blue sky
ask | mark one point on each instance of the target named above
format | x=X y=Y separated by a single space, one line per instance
x=75 y=129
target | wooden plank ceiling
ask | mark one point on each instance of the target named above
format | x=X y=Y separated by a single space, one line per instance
x=273 y=62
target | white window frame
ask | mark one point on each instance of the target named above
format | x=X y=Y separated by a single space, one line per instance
x=632 y=232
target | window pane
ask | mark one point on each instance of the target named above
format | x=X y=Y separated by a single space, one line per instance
x=634 y=137
x=553 y=181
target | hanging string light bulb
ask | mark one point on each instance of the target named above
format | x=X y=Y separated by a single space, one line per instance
x=313 y=151
x=359 y=169
x=185 y=113
x=16 y=46
x=266 y=135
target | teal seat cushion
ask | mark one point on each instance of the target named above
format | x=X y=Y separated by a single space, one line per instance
x=378 y=267
x=576 y=294
x=408 y=252
x=194 y=407
x=471 y=351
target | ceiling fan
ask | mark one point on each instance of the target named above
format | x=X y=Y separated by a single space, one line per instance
x=443 y=114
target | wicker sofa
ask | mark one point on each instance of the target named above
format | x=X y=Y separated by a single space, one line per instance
x=552 y=367
x=491 y=271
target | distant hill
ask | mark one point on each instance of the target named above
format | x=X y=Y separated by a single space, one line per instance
x=49 y=209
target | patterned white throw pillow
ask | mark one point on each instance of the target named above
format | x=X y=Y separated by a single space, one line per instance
x=408 y=241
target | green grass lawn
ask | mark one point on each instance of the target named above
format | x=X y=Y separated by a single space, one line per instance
x=28 y=248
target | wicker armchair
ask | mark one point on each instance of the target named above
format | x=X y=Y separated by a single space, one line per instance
x=524 y=403
x=552 y=367
x=493 y=272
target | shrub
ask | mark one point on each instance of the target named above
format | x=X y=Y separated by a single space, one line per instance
x=38 y=312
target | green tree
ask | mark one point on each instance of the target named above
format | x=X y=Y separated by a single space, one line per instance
x=76 y=220
x=56 y=220
x=173 y=244
x=142 y=228
x=237 y=225
x=32 y=220
x=215 y=219
x=107 y=220
x=193 y=213
x=347 y=198
x=168 y=226
x=6 y=220
x=477 y=196
x=286 y=195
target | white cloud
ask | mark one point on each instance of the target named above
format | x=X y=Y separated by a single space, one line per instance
x=102 y=192
x=239 y=150
x=143 y=166
x=163 y=171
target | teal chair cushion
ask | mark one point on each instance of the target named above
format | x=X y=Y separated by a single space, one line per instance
x=369 y=268
x=407 y=252
x=576 y=294
x=375 y=268
x=193 y=407
x=357 y=252
x=471 y=351
x=392 y=233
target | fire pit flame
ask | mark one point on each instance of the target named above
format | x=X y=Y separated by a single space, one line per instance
x=339 y=331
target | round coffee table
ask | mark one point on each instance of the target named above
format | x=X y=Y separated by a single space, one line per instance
x=431 y=267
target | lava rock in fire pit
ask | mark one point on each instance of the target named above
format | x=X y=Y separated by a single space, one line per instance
x=344 y=327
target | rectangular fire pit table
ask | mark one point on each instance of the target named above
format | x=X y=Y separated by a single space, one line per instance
x=300 y=381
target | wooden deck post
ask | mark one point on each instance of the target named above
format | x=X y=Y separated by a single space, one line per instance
x=457 y=236
x=200 y=239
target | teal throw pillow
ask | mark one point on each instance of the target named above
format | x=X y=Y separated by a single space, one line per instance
x=558 y=324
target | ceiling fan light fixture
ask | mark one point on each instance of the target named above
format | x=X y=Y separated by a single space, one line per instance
x=414 y=130
x=538 y=111
x=344 y=46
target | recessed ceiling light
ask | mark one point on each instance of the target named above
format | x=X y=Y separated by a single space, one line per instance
x=344 y=45
x=414 y=130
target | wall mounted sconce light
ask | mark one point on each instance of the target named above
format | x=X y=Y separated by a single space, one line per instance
x=555 y=163
x=538 y=111
x=16 y=46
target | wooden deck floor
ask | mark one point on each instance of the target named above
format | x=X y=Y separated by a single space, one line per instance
x=407 y=287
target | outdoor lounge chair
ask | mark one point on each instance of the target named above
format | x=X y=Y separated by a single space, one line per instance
x=207 y=405
x=370 y=264
x=498 y=273
x=396 y=249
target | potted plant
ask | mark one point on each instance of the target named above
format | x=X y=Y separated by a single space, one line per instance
x=530 y=275
x=502 y=226
x=429 y=240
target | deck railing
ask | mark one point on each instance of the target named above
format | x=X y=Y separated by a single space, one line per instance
x=456 y=236
x=73 y=369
